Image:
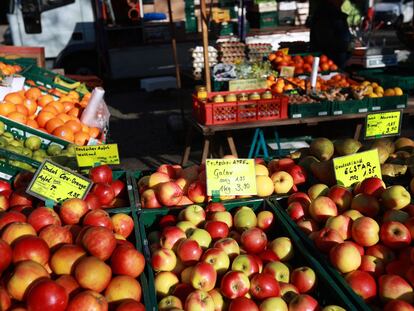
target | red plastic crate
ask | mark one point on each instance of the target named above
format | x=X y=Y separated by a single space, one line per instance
x=210 y=113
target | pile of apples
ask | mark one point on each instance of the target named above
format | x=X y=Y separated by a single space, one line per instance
x=367 y=235
x=210 y=259
x=171 y=185
x=69 y=257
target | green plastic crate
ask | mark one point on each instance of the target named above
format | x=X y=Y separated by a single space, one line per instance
x=333 y=273
x=308 y=110
x=136 y=240
x=350 y=106
x=389 y=77
x=389 y=102
x=262 y=20
x=24 y=63
x=327 y=292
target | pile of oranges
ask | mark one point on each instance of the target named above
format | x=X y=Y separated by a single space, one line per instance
x=57 y=117
x=302 y=64
x=7 y=69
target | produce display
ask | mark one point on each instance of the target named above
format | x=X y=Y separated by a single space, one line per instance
x=8 y=69
x=302 y=64
x=51 y=258
x=234 y=258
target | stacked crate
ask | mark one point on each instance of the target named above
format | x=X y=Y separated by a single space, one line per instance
x=263 y=14
x=287 y=13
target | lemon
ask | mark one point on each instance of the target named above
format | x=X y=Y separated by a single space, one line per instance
x=389 y=92
x=398 y=91
x=379 y=89
x=373 y=95
x=368 y=90
x=365 y=83
x=374 y=84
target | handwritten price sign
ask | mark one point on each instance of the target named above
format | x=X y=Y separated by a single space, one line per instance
x=383 y=124
x=231 y=176
x=89 y=155
x=357 y=167
x=56 y=183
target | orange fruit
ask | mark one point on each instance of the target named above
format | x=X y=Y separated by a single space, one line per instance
x=85 y=128
x=83 y=103
x=74 y=95
x=74 y=112
x=45 y=99
x=32 y=123
x=66 y=98
x=18 y=117
x=31 y=106
x=50 y=108
x=58 y=106
x=87 y=96
x=94 y=132
x=81 y=138
x=55 y=92
x=33 y=93
x=64 y=117
x=22 y=109
x=67 y=105
x=14 y=98
x=52 y=124
x=64 y=132
x=7 y=108
x=43 y=117
x=74 y=125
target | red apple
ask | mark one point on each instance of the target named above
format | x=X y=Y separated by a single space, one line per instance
x=268 y=256
x=123 y=287
x=6 y=255
x=342 y=224
x=372 y=186
x=163 y=259
x=215 y=207
x=20 y=197
x=395 y=215
x=265 y=220
x=69 y=283
x=46 y=294
x=394 y=287
x=130 y=305
x=91 y=299
x=31 y=247
x=296 y=211
x=234 y=284
x=167 y=221
x=366 y=204
x=327 y=238
x=307 y=225
x=395 y=197
x=322 y=208
x=167 y=169
x=246 y=264
x=123 y=224
x=42 y=217
x=157 y=178
x=243 y=304
x=363 y=284
x=189 y=251
x=341 y=196
x=98 y=218
x=217 y=229
x=92 y=273
x=197 y=192
x=229 y=246
x=395 y=235
x=149 y=199
x=55 y=235
x=64 y=259
x=15 y=230
x=5 y=300
x=303 y=302
x=171 y=236
x=104 y=192
x=118 y=186
x=199 y=300
x=398 y=267
x=304 y=279
x=398 y=305
x=203 y=276
x=127 y=261
x=99 y=242
x=298 y=173
x=168 y=193
x=382 y=252
x=10 y=217
x=92 y=201
x=217 y=258
x=300 y=197
x=254 y=240
x=372 y=264
x=101 y=173
x=345 y=257
x=263 y=286
x=288 y=291
x=365 y=231
x=72 y=211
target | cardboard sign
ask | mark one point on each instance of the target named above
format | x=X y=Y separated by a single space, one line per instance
x=53 y=182
x=287 y=71
x=383 y=124
x=357 y=167
x=247 y=84
x=104 y=154
x=231 y=177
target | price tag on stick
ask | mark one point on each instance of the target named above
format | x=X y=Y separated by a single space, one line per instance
x=87 y=156
x=357 y=167
x=231 y=176
x=56 y=183
x=383 y=124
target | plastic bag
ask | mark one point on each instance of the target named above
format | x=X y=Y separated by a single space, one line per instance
x=224 y=72
x=96 y=113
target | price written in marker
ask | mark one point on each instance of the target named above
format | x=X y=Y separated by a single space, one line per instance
x=231 y=177
x=383 y=124
x=357 y=167
x=87 y=156
x=56 y=183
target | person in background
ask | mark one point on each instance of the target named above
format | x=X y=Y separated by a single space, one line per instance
x=329 y=31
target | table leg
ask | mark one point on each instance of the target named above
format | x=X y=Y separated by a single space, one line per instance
x=231 y=143
x=206 y=149
x=357 y=133
x=187 y=150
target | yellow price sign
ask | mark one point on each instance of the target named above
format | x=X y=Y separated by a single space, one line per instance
x=383 y=124
x=53 y=182
x=287 y=71
x=357 y=167
x=247 y=84
x=104 y=154
x=231 y=177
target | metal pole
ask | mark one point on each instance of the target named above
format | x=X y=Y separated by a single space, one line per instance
x=204 y=30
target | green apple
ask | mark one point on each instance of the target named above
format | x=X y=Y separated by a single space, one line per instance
x=8 y=136
x=245 y=218
x=186 y=226
x=165 y=282
x=33 y=143
x=195 y=214
x=395 y=197
x=282 y=247
x=27 y=152
x=54 y=150
x=278 y=270
x=273 y=304
x=202 y=237
x=318 y=190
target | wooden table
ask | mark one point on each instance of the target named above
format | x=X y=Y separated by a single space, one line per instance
x=209 y=131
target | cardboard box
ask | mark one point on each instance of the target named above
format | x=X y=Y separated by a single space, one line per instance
x=178 y=8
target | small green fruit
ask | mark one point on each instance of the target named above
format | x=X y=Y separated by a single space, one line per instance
x=2 y=127
x=54 y=150
x=8 y=136
x=33 y=143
